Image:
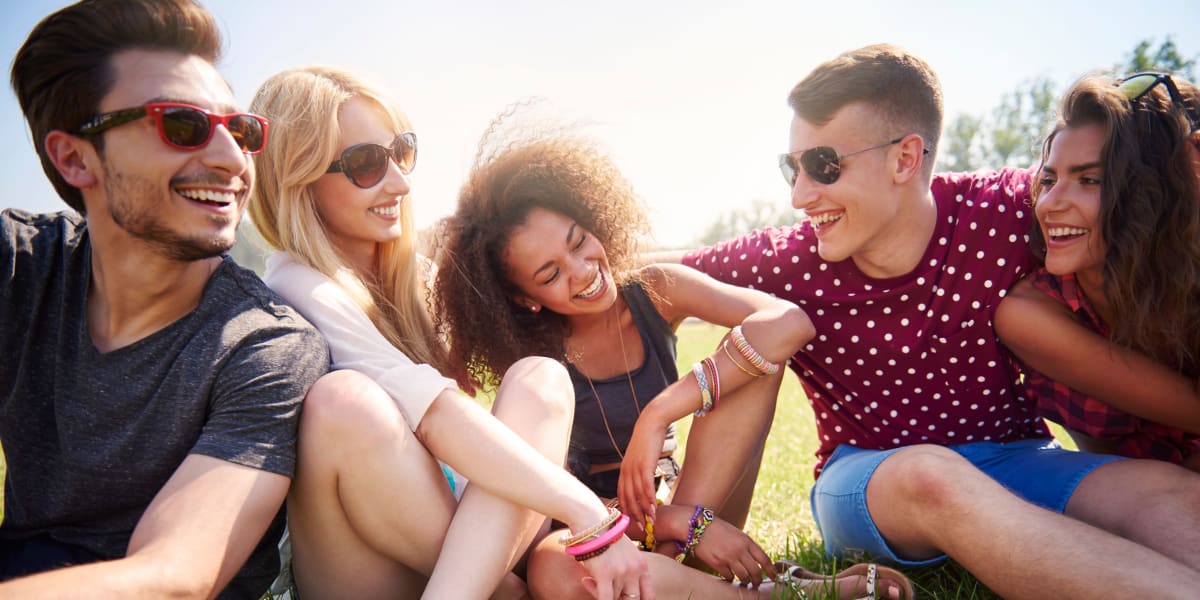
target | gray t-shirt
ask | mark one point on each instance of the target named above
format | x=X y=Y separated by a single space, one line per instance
x=92 y=437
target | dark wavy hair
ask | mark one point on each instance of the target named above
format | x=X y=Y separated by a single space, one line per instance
x=1149 y=215
x=64 y=68
x=474 y=302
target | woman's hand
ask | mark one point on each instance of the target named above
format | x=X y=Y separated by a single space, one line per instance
x=619 y=573
x=730 y=552
x=635 y=487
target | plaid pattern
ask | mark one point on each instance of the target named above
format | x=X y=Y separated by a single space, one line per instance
x=1134 y=437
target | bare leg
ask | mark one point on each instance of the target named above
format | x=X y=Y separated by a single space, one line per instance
x=1153 y=503
x=489 y=534
x=369 y=506
x=725 y=449
x=926 y=498
x=554 y=575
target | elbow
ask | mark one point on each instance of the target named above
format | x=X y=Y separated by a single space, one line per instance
x=794 y=329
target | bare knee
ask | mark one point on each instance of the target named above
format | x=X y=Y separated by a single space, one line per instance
x=553 y=574
x=926 y=478
x=538 y=384
x=346 y=407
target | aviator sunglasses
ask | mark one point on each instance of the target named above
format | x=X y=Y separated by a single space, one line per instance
x=365 y=165
x=1139 y=84
x=822 y=164
x=186 y=126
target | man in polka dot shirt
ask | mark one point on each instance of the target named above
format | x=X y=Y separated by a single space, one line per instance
x=926 y=447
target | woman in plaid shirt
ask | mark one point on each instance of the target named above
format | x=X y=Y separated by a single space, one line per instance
x=1109 y=329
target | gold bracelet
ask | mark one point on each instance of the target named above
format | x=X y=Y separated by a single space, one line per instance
x=593 y=531
x=725 y=347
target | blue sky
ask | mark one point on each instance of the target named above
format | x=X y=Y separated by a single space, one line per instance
x=687 y=97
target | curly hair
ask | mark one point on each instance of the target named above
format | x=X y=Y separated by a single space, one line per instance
x=473 y=295
x=1149 y=215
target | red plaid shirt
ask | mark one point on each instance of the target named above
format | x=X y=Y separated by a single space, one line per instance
x=1134 y=437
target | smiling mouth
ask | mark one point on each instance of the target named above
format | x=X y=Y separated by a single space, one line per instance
x=594 y=288
x=1062 y=234
x=209 y=197
x=824 y=219
x=387 y=211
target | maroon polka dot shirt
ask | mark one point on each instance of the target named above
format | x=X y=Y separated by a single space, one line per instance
x=911 y=359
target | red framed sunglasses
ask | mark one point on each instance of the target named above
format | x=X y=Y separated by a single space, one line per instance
x=186 y=126
x=365 y=165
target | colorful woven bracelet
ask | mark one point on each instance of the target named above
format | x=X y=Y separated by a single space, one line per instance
x=699 y=526
x=705 y=395
x=604 y=539
x=714 y=380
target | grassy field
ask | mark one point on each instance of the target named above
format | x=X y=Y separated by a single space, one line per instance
x=780 y=516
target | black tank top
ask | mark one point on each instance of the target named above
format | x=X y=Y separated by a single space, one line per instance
x=590 y=443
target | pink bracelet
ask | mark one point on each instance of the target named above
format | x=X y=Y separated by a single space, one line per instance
x=604 y=539
x=714 y=379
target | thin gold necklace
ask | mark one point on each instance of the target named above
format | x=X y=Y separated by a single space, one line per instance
x=632 y=392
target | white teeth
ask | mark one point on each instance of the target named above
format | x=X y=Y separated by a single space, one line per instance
x=387 y=211
x=592 y=289
x=1065 y=231
x=209 y=196
x=824 y=218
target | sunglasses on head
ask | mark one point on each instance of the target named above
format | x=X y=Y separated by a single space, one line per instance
x=186 y=126
x=1138 y=85
x=822 y=164
x=365 y=165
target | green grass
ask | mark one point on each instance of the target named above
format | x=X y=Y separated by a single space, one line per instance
x=780 y=516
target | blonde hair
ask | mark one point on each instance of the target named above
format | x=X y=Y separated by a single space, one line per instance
x=303 y=105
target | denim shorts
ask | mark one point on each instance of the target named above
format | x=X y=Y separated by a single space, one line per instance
x=1038 y=470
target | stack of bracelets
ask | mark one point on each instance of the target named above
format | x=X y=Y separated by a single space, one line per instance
x=710 y=381
x=701 y=519
x=595 y=541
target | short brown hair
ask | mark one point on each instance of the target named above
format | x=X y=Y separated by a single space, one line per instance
x=64 y=68
x=901 y=86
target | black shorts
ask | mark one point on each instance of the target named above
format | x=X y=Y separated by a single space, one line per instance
x=40 y=553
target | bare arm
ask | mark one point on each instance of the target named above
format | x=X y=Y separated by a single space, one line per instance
x=775 y=328
x=1045 y=334
x=468 y=438
x=191 y=541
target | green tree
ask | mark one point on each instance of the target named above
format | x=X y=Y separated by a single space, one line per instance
x=1010 y=133
x=1165 y=58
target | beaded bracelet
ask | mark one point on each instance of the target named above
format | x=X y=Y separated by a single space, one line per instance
x=706 y=400
x=593 y=531
x=750 y=354
x=593 y=553
x=604 y=539
x=714 y=379
x=725 y=347
x=701 y=519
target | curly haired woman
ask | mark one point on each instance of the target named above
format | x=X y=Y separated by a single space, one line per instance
x=1110 y=328
x=539 y=259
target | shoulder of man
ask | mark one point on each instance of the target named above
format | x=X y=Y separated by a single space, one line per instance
x=244 y=307
x=25 y=231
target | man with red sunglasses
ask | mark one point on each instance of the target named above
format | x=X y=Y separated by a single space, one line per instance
x=151 y=387
x=927 y=449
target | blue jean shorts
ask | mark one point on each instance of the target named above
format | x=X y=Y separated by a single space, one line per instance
x=1038 y=470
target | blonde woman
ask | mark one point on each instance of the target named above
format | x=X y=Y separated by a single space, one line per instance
x=373 y=510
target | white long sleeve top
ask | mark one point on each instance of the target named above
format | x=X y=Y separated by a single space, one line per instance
x=354 y=342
